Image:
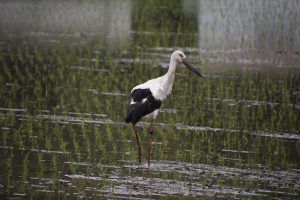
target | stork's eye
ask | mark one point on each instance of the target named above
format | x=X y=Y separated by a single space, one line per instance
x=181 y=55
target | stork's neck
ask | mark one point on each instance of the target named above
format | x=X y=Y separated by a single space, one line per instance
x=172 y=67
x=169 y=76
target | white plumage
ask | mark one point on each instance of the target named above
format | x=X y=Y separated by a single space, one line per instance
x=161 y=87
x=146 y=98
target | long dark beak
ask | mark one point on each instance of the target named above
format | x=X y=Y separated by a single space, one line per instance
x=188 y=65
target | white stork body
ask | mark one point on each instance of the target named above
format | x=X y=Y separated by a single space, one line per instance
x=146 y=98
x=160 y=87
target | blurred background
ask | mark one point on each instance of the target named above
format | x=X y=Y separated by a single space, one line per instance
x=213 y=25
x=66 y=70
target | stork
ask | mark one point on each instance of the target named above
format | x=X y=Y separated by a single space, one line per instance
x=146 y=99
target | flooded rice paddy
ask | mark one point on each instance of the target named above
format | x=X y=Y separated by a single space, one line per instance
x=64 y=88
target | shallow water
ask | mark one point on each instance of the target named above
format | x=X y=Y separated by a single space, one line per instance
x=64 y=91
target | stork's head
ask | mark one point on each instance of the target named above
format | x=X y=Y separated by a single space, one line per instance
x=180 y=57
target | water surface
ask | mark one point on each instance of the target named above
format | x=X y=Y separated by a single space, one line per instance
x=64 y=91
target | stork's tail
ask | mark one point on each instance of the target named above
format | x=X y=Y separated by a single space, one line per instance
x=128 y=118
x=129 y=112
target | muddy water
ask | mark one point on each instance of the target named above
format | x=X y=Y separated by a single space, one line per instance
x=64 y=89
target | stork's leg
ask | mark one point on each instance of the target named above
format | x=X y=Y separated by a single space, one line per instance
x=150 y=141
x=138 y=142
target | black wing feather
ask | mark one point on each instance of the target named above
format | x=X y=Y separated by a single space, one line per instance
x=139 y=109
x=139 y=94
